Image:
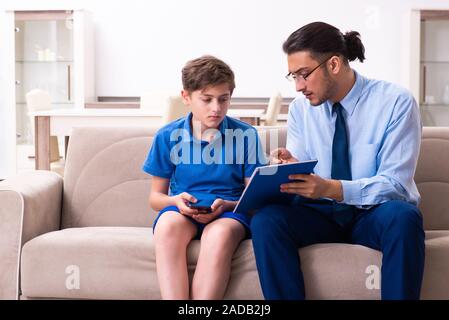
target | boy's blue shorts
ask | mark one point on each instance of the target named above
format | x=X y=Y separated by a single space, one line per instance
x=244 y=219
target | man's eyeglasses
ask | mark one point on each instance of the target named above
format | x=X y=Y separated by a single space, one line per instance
x=296 y=76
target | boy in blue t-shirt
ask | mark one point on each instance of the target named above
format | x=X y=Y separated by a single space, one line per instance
x=205 y=155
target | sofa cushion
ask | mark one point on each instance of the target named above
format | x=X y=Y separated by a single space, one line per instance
x=119 y=263
x=272 y=137
x=436 y=281
x=341 y=271
x=113 y=263
x=104 y=184
x=432 y=178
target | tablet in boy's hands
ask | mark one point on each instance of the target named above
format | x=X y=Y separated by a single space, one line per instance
x=264 y=185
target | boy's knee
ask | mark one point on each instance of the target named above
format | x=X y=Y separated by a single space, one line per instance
x=222 y=230
x=171 y=225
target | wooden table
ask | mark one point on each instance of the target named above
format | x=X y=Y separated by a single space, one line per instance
x=59 y=122
x=251 y=116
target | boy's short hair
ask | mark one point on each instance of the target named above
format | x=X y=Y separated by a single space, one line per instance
x=206 y=71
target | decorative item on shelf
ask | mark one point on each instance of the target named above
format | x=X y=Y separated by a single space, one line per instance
x=46 y=55
x=446 y=95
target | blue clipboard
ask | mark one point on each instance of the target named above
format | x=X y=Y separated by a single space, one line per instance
x=264 y=185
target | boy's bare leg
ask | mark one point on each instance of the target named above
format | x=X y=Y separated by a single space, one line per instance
x=172 y=235
x=218 y=243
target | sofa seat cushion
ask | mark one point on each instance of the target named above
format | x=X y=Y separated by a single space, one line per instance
x=436 y=281
x=330 y=268
x=341 y=271
x=119 y=263
x=113 y=263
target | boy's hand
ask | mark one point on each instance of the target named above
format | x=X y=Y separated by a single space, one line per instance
x=218 y=207
x=181 y=201
x=281 y=155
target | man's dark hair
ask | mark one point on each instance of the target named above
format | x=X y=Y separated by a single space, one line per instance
x=320 y=39
x=206 y=71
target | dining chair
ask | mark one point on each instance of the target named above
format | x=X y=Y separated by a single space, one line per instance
x=40 y=100
x=273 y=109
x=171 y=105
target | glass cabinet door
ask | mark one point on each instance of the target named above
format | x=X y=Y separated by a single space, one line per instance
x=434 y=69
x=435 y=83
x=44 y=60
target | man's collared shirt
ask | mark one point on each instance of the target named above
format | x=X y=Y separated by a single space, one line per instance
x=384 y=135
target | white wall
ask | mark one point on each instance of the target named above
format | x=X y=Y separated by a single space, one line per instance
x=143 y=45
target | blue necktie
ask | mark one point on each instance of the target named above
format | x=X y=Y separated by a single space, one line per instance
x=341 y=169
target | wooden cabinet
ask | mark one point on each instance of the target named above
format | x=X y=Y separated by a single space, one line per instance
x=52 y=51
x=434 y=67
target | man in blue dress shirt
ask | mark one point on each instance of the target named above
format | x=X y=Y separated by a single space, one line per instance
x=366 y=136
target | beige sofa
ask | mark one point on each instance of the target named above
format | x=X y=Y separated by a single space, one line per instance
x=89 y=235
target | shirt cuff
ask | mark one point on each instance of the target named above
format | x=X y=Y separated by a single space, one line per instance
x=352 y=192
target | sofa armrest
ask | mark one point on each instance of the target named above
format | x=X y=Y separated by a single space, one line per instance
x=30 y=205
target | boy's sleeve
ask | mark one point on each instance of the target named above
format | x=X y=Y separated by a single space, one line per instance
x=254 y=155
x=158 y=161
